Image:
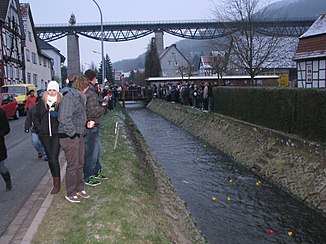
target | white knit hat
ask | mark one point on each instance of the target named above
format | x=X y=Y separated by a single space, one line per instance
x=53 y=85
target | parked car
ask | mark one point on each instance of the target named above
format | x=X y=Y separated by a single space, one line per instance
x=20 y=92
x=9 y=104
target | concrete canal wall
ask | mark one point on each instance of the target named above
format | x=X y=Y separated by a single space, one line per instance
x=297 y=166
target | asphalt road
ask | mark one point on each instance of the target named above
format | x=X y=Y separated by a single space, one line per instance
x=26 y=171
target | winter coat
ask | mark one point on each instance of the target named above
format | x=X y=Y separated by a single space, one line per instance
x=93 y=109
x=72 y=114
x=45 y=120
x=30 y=102
x=4 y=130
x=29 y=124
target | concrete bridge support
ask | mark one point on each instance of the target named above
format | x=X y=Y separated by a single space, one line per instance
x=159 y=42
x=73 y=59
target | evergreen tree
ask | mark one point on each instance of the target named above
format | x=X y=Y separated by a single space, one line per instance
x=132 y=76
x=152 y=61
x=108 y=71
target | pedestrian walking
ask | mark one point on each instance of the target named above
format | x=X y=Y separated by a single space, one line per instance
x=93 y=148
x=31 y=101
x=4 y=130
x=72 y=128
x=46 y=122
x=30 y=127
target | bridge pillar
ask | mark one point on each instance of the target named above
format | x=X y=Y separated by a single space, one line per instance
x=159 y=42
x=73 y=59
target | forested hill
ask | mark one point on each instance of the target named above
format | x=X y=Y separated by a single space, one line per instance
x=193 y=49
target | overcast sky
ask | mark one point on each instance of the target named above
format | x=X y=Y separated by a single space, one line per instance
x=59 y=11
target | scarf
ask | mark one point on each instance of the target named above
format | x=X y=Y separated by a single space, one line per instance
x=51 y=100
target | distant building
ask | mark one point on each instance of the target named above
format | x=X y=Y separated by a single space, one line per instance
x=57 y=58
x=205 y=66
x=206 y=63
x=173 y=62
x=38 y=65
x=311 y=55
x=11 y=43
x=279 y=62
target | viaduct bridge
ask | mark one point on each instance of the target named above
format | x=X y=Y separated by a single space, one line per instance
x=190 y=29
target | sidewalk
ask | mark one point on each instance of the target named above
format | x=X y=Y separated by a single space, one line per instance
x=25 y=224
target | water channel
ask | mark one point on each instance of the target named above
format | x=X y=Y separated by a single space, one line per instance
x=229 y=203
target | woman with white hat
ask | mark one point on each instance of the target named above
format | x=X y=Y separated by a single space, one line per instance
x=47 y=123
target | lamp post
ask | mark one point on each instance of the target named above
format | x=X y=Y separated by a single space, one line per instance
x=102 y=47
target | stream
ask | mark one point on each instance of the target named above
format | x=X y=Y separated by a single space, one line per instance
x=229 y=203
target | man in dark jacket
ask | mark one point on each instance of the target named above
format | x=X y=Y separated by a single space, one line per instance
x=93 y=148
x=72 y=123
x=4 y=130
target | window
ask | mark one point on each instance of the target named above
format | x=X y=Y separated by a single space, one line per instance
x=29 y=78
x=309 y=73
x=28 y=55
x=34 y=58
x=40 y=60
x=30 y=36
x=12 y=72
x=35 y=79
x=44 y=62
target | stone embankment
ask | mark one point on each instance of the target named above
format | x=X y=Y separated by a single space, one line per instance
x=295 y=165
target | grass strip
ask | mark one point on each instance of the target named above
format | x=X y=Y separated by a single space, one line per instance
x=136 y=204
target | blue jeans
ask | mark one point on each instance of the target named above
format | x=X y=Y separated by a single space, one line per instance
x=3 y=168
x=93 y=153
x=38 y=145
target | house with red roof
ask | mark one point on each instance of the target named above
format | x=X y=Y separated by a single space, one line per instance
x=310 y=56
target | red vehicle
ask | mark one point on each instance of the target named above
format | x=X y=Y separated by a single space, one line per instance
x=9 y=104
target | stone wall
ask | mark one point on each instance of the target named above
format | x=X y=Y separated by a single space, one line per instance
x=297 y=166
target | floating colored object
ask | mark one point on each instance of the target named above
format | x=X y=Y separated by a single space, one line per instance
x=230 y=180
x=213 y=198
x=290 y=233
x=258 y=183
x=270 y=232
x=229 y=199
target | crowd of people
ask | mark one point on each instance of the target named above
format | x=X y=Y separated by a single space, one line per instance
x=67 y=120
x=195 y=95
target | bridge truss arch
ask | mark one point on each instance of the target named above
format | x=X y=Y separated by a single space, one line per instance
x=196 y=29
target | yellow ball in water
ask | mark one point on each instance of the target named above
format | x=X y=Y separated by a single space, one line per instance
x=214 y=198
x=290 y=233
x=258 y=183
x=229 y=199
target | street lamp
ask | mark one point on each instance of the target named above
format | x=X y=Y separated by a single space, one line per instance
x=102 y=47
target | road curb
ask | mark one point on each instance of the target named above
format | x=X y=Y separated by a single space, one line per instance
x=41 y=212
x=23 y=227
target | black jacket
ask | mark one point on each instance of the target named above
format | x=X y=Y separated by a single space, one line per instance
x=44 y=120
x=4 y=130
x=29 y=124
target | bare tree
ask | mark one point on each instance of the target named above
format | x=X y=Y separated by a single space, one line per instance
x=219 y=63
x=249 y=49
x=186 y=71
x=182 y=71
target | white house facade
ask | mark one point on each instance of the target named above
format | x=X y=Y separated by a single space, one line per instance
x=311 y=56
x=38 y=65
x=57 y=58
x=172 y=61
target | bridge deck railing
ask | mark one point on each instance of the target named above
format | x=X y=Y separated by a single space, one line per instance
x=135 y=95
